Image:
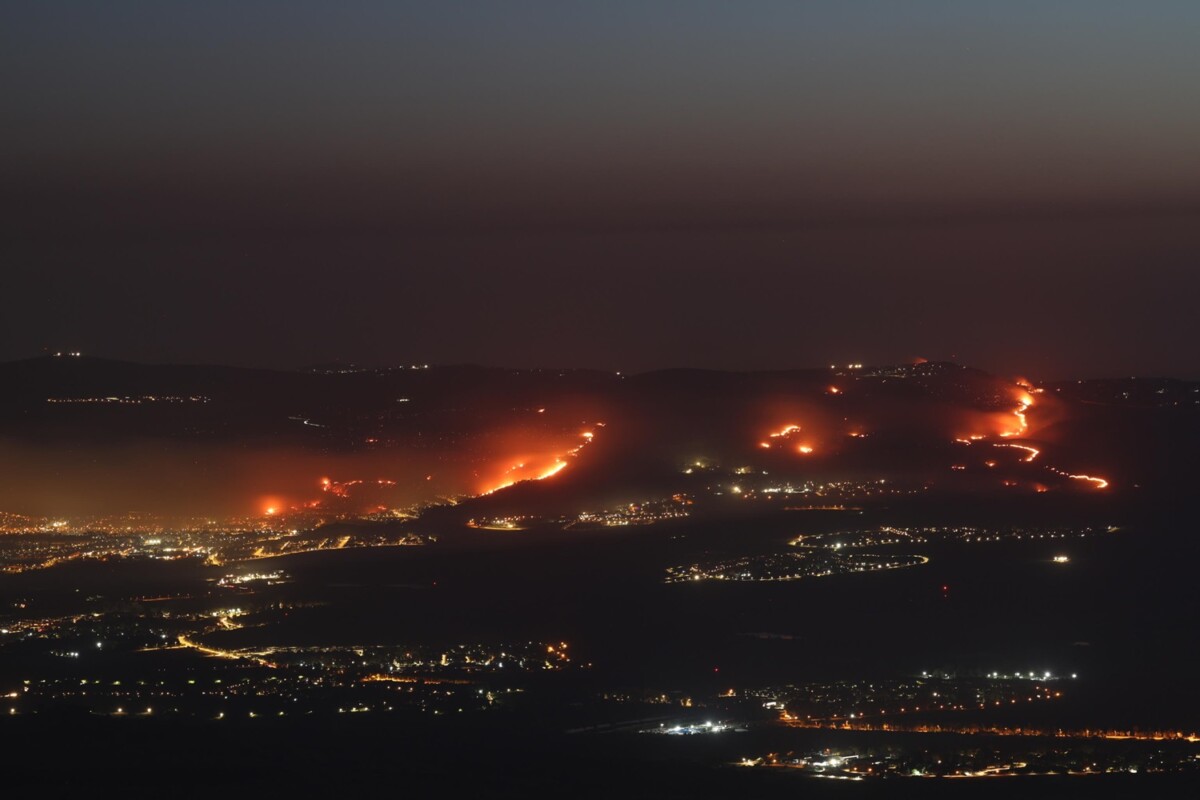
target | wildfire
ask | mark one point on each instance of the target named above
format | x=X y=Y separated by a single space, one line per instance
x=787 y=430
x=554 y=470
x=273 y=505
x=1099 y=483
x=342 y=488
x=1024 y=398
x=1023 y=404
x=782 y=433
x=1003 y=421
x=1033 y=451
x=513 y=474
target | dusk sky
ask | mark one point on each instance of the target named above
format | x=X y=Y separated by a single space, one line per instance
x=621 y=185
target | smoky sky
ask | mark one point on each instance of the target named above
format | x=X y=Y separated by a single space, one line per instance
x=621 y=185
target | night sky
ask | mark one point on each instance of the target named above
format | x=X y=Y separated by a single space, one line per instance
x=623 y=185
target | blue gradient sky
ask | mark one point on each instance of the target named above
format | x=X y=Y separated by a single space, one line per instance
x=824 y=145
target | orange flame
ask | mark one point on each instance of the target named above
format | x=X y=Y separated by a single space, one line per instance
x=1033 y=451
x=1024 y=402
x=515 y=473
x=785 y=431
x=1100 y=483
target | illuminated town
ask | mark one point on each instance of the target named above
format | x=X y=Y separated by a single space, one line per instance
x=909 y=579
x=851 y=574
